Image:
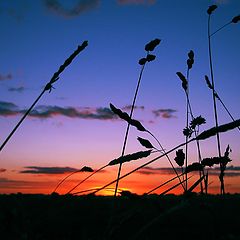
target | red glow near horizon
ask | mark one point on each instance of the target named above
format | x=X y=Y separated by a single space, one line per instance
x=136 y=183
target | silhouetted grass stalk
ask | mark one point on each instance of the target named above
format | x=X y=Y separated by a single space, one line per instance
x=189 y=108
x=224 y=106
x=148 y=47
x=236 y=19
x=128 y=127
x=187 y=124
x=98 y=170
x=143 y=165
x=48 y=87
x=169 y=160
x=218 y=97
x=222 y=190
x=202 y=136
x=168 y=181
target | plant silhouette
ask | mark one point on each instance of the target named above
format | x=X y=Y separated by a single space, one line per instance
x=48 y=87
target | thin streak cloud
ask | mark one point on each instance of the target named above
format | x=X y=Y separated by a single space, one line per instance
x=77 y=9
x=164 y=113
x=6 y=77
x=8 y=109
x=54 y=170
x=48 y=170
x=231 y=171
x=16 y=89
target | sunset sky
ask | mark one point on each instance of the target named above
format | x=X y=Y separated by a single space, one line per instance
x=72 y=126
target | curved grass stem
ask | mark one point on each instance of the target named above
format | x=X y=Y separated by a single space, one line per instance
x=143 y=165
x=222 y=190
x=163 y=150
x=220 y=28
x=21 y=120
x=98 y=170
x=128 y=127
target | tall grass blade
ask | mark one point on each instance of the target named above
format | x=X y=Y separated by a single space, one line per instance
x=48 y=86
x=163 y=184
x=93 y=173
x=176 y=185
x=84 y=169
x=195 y=184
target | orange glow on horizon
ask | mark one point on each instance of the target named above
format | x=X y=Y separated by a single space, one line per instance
x=135 y=183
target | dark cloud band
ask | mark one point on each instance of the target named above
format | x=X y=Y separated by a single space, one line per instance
x=77 y=9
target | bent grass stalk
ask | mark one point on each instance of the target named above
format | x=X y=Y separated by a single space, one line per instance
x=122 y=159
x=169 y=160
x=128 y=127
x=163 y=184
x=143 y=165
x=218 y=97
x=234 y=20
x=171 y=188
x=148 y=47
x=48 y=86
x=222 y=191
x=187 y=123
x=204 y=135
x=98 y=170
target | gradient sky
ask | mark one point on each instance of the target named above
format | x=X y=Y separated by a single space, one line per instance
x=72 y=126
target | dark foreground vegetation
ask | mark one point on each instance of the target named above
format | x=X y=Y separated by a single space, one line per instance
x=128 y=217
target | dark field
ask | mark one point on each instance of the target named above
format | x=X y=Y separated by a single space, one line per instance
x=89 y=217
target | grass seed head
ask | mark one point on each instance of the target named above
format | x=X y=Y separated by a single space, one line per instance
x=191 y=54
x=137 y=124
x=187 y=132
x=144 y=142
x=130 y=157
x=184 y=80
x=211 y=9
x=180 y=157
x=208 y=82
x=152 y=44
x=236 y=19
x=142 y=61
x=117 y=111
x=196 y=166
x=197 y=122
x=150 y=57
x=86 y=169
x=222 y=128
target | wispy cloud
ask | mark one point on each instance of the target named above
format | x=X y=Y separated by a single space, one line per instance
x=83 y=113
x=164 y=113
x=162 y=171
x=18 y=185
x=48 y=170
x=16 y=89
x=54 y=170
x=136 y=2
x=5 y=77
x=231 y=171
x=129 y=107
x=8 y=109
x=76 y=9
x=2 y=170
